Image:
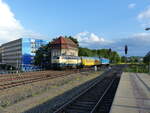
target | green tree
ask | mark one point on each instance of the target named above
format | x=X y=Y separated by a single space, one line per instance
x=134 y=59
x=73 y=39
x=43 y=57
x=146 y=58
x=123 y=59
x=85 y=52
x=113 y=55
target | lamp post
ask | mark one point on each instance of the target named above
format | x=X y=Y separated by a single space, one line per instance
x=17 y=63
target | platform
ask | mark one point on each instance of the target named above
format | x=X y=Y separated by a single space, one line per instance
x=133 y=94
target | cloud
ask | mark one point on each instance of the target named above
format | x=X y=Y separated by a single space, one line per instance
x=145 y=14
x=10 y=27
x=87 y=38
x=139 y=43
x=132 y=5
x=144 y=17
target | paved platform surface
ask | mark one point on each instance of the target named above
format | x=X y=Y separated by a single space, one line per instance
x=133 y=94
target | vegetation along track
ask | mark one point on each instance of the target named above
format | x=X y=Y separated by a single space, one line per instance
x=13 y=82
x=96 y=99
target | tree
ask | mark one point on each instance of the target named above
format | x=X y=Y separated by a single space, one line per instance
x=115 y=58
x=43 y=57
x=134 y=59
x=73 y=39
x=146 y=58
x=106 y=53
x=123 y=59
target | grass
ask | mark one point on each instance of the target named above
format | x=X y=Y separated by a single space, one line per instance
x=137 y=68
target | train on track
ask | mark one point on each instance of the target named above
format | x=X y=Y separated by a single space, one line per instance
x=60 y=62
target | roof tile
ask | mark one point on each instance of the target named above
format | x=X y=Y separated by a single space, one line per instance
x=64 y=43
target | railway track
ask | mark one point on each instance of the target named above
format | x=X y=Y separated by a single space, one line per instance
x=31 y=80
x=17 y=81
x=96 y=99
x=29 y=76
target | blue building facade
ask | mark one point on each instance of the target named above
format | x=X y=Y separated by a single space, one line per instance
x=29 y=47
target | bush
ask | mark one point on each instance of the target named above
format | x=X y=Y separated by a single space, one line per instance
x=139 y=68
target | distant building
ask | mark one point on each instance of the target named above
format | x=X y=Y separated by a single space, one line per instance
x=140 y=59
x=136 y=59
x=63 y=46
x=20 y=53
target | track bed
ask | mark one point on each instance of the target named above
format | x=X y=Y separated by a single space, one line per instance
x=96 y=99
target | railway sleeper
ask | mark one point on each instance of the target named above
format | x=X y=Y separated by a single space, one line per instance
x=75 y=111
x=85 y=108
x=85 y=102
x=101 y=92
x=105 y=104
x=83 y=105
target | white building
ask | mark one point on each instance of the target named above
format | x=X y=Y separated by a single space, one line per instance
x=20 y=53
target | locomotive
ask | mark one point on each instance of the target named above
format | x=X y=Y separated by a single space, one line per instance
x=61 y=62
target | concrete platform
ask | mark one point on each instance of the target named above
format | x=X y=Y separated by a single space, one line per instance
x=133 y=94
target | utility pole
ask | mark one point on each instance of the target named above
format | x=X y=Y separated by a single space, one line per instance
x=147 y=29
x=109 y=53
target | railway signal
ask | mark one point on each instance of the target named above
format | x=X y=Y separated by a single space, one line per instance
x=147 y=28
x=109 y=51
x=126 y=49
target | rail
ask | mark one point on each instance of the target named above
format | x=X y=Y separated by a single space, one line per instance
x=89 y=100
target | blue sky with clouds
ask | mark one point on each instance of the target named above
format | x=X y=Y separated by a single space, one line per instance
x=95 y=23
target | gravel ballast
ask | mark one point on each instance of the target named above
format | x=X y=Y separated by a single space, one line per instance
x=44 y=96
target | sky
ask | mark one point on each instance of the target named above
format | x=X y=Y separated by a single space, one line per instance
x=96 y=24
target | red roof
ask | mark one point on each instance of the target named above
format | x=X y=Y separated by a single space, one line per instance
x=63 y=43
